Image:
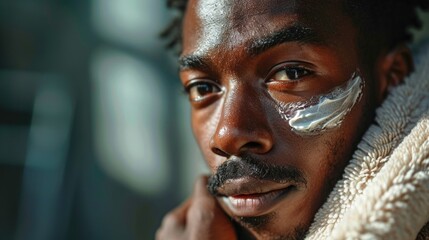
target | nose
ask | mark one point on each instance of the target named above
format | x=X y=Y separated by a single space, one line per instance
x=243 y=126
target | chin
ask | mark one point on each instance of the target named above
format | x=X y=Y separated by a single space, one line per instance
x=269 y=227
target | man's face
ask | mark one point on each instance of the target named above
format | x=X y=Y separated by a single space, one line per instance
x=241 y=61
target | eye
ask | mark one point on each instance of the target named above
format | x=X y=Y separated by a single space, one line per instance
x=290 y=74
x=200 y=90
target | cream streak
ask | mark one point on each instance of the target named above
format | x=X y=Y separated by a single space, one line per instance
x=323 y=112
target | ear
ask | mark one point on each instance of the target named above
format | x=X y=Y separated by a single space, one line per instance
x=392 y=68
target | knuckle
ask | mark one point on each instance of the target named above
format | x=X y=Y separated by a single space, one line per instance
x=171 y=228
x=162 y=234
x=170 y=220
x=159 y=234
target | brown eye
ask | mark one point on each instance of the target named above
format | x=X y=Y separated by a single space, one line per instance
x=290 y=74
x=200 y=90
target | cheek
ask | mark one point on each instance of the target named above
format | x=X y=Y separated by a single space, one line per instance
x=204 y=125
x=331 y=152
x=338 y=145
x=326 y=111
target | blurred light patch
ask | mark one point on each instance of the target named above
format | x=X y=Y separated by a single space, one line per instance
x=129 y=134
x=48 y=146
x=49 y=133
x=422 y=34
x=135 y=23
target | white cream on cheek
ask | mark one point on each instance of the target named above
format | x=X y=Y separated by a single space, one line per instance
x=323 y=112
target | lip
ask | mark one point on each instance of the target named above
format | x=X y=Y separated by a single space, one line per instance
x=251 y=197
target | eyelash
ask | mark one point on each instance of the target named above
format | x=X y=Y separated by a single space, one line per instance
x=299 y=67
x=211 y=88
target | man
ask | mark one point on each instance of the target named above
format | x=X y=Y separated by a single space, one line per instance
x=282 y=93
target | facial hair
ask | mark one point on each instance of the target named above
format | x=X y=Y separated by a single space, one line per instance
x=248 y=166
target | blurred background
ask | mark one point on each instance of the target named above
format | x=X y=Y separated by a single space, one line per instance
x=95 y=140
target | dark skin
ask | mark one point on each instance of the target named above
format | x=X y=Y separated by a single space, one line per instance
x=236 y=69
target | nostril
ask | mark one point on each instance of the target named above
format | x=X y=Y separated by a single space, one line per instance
x=252 y=145
x=220 y=152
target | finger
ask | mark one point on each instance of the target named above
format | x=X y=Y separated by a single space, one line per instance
x=203 y=203
x=204 y=206
x=171 y=227
x=177 y=217
x=200 y=188
x=174 y=223
x=206 y=213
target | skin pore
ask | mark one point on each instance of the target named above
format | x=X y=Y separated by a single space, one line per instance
x=239 y=58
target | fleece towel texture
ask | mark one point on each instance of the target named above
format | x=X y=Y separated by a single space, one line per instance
x=384 y=192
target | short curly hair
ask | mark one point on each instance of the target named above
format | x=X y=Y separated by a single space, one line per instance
x=389 y=21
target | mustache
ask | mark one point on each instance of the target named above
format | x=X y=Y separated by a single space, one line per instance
x=249 y=166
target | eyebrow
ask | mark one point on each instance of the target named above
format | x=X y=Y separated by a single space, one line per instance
x=295 y=33
x=192 y=62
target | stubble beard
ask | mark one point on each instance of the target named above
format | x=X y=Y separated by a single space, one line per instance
x=256 y=227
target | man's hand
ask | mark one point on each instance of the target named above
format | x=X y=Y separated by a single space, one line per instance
x=198 y=218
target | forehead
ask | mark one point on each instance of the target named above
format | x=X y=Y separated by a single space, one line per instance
x=210 y=24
